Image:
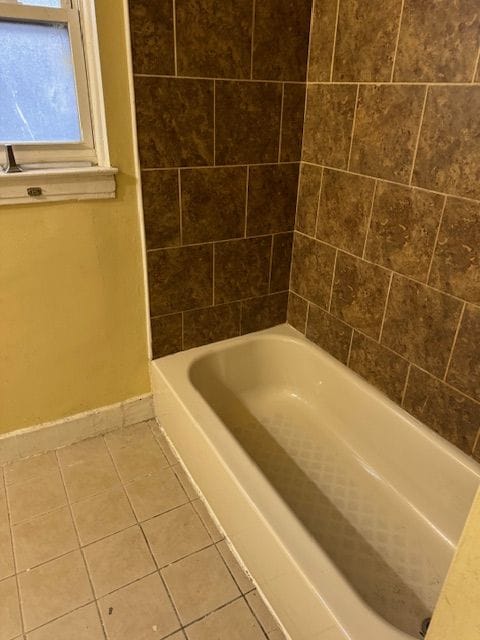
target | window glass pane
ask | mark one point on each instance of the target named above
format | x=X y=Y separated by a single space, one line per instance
x=37 y=84
x=42 y=3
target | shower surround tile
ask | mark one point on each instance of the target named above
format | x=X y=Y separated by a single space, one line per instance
x=310 y=180
x=297 y=312
x=438 y=41
x=293 y=112
x=280 y=43
x=322 y=37
x=161 y=208
x=213 y=203
x=281 y=262
x=464 y=369
x=312 y=269
x=174 y=122
x=328 y=332
x=328 y=124
x=167 y=334
x=214 y=38
x=403 y=229
x=261 y=313
x=366 y=38
x=420 y=324
x=344 y=210
x=247 y=116
x=448 y=157
x=456 y=264
x=151 y=27
x=272 y=198
x=203 y=326
x=386 y=128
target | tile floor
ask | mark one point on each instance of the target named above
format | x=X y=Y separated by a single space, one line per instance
x=107 y=539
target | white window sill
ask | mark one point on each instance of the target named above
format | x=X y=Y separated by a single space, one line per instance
x=73 y=183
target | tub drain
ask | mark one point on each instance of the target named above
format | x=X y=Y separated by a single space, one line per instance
x=424 y=628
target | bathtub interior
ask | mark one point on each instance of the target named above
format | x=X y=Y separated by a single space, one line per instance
x=322 y=446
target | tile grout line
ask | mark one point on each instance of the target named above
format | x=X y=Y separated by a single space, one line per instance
x=454 y=343
x=333 y=281
x=14 y=557
x=435 y=243
x=246 y=201
x=225 y=165
x=350 y=347
x=334 y=47
x=417 y=143
x=476 y=68
x=166 y=76
x=394 y=61
x=307 y=318
x=369 y=222
x=319 y=198
x=214 y=123
x=385 y=308
x=213 y=274
x=373 y=83
x=270 y=268
x=252 y=38
x=354 y=121
x=77 y=534
x=476 y=442
x=175 y=57
x=180 y=208
x=281 y=123
x=405 y=386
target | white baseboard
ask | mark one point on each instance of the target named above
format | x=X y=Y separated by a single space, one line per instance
x=52 y=435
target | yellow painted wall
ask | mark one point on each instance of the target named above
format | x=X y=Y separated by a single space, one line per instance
x=72 y=311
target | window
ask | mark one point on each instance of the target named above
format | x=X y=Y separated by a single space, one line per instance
x=51 y=108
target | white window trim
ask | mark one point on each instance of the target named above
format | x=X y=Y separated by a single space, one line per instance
x=67 y=172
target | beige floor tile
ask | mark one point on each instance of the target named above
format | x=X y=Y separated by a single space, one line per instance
x=36 y=496
x=135 y=451
x=118 y=560
x=7 y=567
x=10 y=620
x=44 y=538
x=199 y=584
x=235 y=622
x=261 y=612
x=167 y=450
x=82 y=624
x=53 y=589
x=102 y=515
x=210 y=525
x=87 y=468
x=4 y=520
x=140 y=611
x=243 y=581
x=155 y=494
x=185 y=482
x=23 y=470
x=176 y=534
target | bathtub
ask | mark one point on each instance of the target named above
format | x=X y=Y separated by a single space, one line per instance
x=345 y=509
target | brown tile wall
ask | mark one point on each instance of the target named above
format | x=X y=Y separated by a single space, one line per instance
x=220 y=100
x=386 y=258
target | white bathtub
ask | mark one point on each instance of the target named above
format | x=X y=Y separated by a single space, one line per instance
x=344 y=508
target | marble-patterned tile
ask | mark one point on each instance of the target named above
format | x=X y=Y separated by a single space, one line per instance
x=443 y=409
x=359 y=293
x=151 y=28
x=272 y=198
x=247 y=116
x=262 y=313
x=297 y=312
x=448 y=157
x=328 y=124
x=280 y=42
x=438 y=42
x=344 y=210
x=281 y=262
x=203 y=326
x=381 y=367
x=213 y=203
x=180 y=278
x=308 y=198
x=420 y=324
x=214 y=38
x=322 y=37
x=166 y=334
x=464 y=369
x=294 y=96
x=386 y=129
x=242 y=268
x=161 y=211
x=174 y=122
x=456 y=263
x=403 y=229
x=328 y=332
x=312 y=269
x=366 y=39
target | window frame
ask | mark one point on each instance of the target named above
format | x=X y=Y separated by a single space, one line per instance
x=51 y=165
